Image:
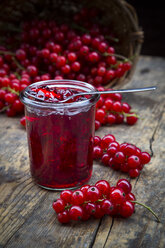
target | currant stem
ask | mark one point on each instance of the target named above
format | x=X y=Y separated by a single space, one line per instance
x=130 y=114
x=75 y=26
x=133 y=56
x=18 y=64
x=100 y=200
x=13 y=58
x=6 y=52
x=4 y=108
x=125 y=114
x=117 y=56
x=68 y=206
x=148 y=208
x=17 y=75
x=11 y=90
x=108 y=37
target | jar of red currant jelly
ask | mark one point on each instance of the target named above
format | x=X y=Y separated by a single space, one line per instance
x=60 y=135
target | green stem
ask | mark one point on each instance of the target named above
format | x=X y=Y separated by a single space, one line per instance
x=17 y=75
x=4 y=108
x=100 y=200
x=85 y=202
x=18 y=64
x=132 y=57
x=148 y=208
x=6 y=52
x=123 y=113
x=108 y=37
x=130 y=114
x=68 y=206
x=75 y=26
x=13 y=58
x=117 y=56
x=11 y=90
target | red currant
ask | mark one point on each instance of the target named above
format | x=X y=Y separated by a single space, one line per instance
x=93 y=193
x=90 y=208
x=145 y=157
x=134 y=173
x=97 y=152
x=119 y=157
x=105 y=159
x=63 y=217
x=125 y=185
x=127 y=209
x=117 y=196
x=76 y=213
x=106 y=140
x=107 y=207
x=103 y=186
x=58 y=205
x=132 y=119
x=133 y=162
x=77 y=197
x=66 y=196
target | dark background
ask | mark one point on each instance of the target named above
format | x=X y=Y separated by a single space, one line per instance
x=151 y=17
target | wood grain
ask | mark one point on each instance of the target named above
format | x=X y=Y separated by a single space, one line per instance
x=26 y=215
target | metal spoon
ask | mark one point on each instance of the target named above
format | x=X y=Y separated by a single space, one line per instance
x=109 y=92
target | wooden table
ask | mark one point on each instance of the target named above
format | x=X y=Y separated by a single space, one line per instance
x=26 y=215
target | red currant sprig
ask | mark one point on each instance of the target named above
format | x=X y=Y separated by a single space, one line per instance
x=96 y=201
x=125 y=157
x=111 y=110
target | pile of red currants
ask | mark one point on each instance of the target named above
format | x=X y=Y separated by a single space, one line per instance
x=96 y=201
x=124 y=157
x=46 y=49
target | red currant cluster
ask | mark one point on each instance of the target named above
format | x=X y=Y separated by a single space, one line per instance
x=9 y=95
x=124 y=157
x=96 y=201
x=49 y=50
x=110 y=110
x=13 y=79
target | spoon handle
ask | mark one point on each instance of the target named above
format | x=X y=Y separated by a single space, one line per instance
x=119 y=91
x=130 y=90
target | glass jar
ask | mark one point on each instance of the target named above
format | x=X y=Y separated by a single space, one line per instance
x=60 y=136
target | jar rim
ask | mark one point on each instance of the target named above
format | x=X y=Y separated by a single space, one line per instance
x=86 y=87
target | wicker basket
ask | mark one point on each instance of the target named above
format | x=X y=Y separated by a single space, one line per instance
x=118 y=13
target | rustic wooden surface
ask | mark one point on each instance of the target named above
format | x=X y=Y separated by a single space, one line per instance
x=26 y=216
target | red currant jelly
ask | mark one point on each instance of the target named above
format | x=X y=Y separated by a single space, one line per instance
x=60 y=135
